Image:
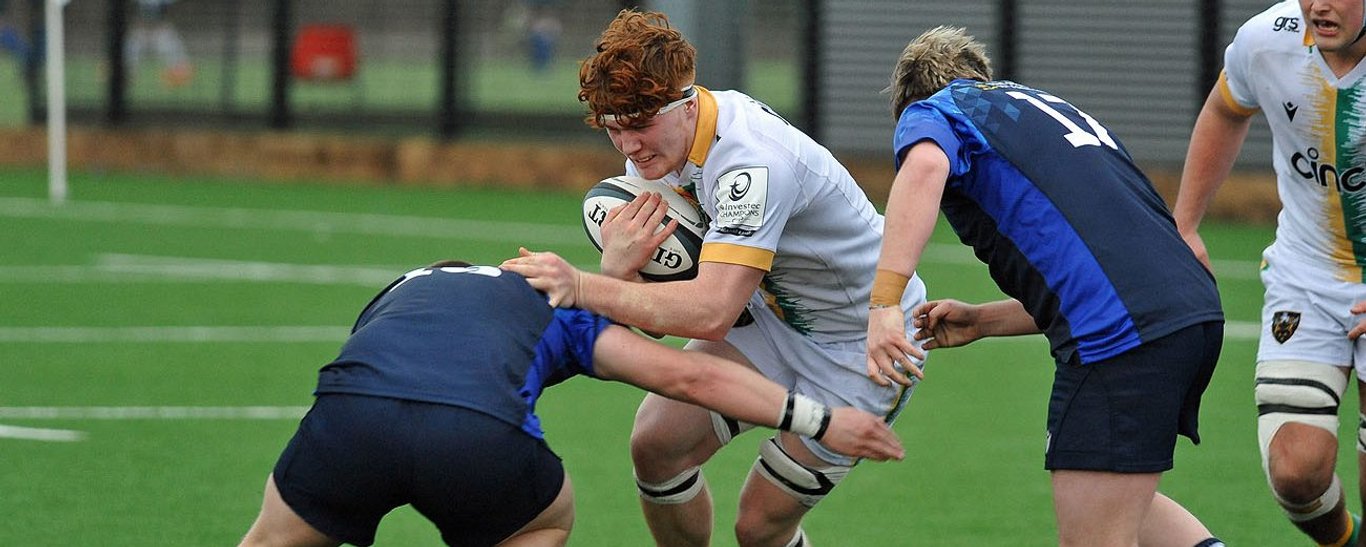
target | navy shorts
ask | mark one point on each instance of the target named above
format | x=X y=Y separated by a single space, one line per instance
x=1123 y=414
x=355 y=458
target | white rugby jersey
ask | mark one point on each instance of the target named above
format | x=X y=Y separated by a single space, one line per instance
x=1317 y=122
x=780 y=202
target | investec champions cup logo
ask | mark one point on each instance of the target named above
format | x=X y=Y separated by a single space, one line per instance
x=1283 y=325
x=740 y=199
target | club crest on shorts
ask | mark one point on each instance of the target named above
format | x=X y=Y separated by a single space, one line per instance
x=1283 y=325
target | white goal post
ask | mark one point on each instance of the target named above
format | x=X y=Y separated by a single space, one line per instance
x=56 y=101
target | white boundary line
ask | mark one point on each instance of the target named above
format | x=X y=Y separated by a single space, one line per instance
x=1233 y=330
x=68 y=335
x=393 y=225
x=40 y=434
x=153 y=412
x=305 y=221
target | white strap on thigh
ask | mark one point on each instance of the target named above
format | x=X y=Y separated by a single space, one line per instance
x=1296 y=392
x=680 y=489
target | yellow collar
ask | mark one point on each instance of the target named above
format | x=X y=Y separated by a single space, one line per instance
x=706 y=126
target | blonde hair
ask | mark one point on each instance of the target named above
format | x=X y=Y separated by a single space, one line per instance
x=932 y=60
x=641 y=64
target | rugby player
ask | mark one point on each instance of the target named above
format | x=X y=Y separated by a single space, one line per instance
x=1076 y=236
x=1300 y=65
x=431 y=403
x=786 y=268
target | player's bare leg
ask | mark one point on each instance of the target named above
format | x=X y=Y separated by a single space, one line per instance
x=768 y=516
x=551 y=527
x=669 y=441
x=1169 y=524
x=278 y=525
x=1101 y=508
x=1301 y=461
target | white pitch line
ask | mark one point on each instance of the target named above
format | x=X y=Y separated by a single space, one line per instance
x=39 y=434
x=153 y=412
x=1233 y=330
x=390 y=225
x=199 y=334
x=293 y=220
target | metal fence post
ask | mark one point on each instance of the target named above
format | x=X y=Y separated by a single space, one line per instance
x=116 y=95
x=1210 y=42
x=811 y=69
x=279 y=98
x=1008 y=23
x=449 y=32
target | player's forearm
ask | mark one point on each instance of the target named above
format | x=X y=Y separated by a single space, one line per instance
x=1005 y=318
x=675 y=308
x=912 y=210
x=1218 y=136
x=740 y=393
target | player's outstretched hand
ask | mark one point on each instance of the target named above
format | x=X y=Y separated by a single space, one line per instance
x=947 y=323
x=889 y=352
x=631 y=233
x=548 y=273
x=1358 y=309
x=857 y=433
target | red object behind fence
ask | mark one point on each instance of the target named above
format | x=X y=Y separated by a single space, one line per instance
x=324 y=52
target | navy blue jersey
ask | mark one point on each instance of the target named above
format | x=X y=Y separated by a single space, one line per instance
x=475 y=337
x=1064 y=220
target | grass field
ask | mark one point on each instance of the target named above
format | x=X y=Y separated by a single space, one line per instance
x=164 y=335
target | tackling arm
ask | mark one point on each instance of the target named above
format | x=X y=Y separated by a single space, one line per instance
x=704 y=307
x=736 y=391
x=912 y=210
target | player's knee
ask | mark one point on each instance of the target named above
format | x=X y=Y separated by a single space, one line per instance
x=1300 y=484
x=806 y=484
x=1301 y=506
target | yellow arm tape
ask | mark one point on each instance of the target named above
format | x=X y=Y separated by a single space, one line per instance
x=887 y=289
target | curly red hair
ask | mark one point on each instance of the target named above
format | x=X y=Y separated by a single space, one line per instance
x=641 y=65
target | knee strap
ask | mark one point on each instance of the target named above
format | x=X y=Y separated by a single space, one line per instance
x=1315 y=508
x=1296 y=392
x=727 y=428
x=808 y=485
x=680 y=489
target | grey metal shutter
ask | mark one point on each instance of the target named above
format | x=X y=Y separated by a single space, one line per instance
x=1257 y=148
x=1131 y=65
x=861 y=40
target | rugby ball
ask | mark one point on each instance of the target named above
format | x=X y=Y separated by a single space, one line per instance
x=676 y=258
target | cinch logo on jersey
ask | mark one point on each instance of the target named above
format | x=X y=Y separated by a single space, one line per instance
x=1307 y=165
x=740 y=198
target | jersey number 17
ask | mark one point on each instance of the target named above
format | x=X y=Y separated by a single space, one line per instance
x=1075 y=134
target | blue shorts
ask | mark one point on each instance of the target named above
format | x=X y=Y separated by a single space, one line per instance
x=1123 y=414
x=355 y=458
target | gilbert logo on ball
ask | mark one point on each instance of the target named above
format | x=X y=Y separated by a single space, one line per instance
x=676 y=258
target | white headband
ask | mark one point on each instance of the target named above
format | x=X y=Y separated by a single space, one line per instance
x=688 y=93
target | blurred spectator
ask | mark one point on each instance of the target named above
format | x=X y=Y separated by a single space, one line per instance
x=543 y=32
x=153 y=30
x=12 y=41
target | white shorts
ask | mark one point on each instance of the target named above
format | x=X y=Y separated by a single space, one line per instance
x=1307 y=314
x=833 y=373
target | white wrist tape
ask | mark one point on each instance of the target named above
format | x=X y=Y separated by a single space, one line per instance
x=804 y=416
